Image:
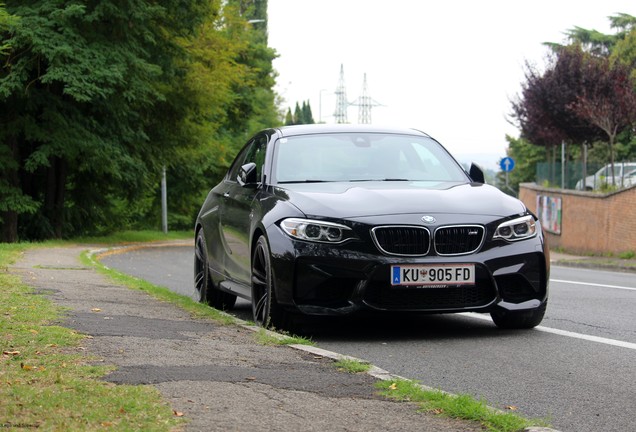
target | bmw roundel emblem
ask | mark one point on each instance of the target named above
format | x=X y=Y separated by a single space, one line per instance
x=428 y=219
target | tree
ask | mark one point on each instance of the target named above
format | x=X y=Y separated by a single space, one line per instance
x=96 y=98
x=82 y=87
x=543 y=112
x=298 y=115
x=289 y=118
x=607 y=100
x=600 y=44
x=308 y=117
x=254 y=104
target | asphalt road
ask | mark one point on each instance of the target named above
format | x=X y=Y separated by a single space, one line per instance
x=578 y=369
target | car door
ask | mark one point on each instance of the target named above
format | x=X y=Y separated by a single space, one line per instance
x=236 y=211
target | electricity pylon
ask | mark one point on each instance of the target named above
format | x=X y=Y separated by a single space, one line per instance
x=365 y=103
x=341 y=99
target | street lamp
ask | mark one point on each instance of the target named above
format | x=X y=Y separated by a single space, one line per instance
x=320 y=105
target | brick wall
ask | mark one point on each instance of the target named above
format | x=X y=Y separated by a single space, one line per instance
x=590 y=222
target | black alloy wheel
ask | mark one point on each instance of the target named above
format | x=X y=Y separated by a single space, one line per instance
x=204 y=289
x=200 y=269
x=265 y=309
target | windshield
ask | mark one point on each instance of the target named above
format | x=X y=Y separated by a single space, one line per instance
x=363 y=157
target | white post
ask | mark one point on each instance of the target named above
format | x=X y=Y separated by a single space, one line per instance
x=562 y=164
x=164 y=202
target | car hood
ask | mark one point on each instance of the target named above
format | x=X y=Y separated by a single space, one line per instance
x=350 y=200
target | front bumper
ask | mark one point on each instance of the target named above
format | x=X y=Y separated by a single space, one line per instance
x=322 y=279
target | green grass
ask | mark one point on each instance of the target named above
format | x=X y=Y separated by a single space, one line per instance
x=455 y=406
x=46 y=381
x=125 y=237
x=352 y=366
x=265 y=337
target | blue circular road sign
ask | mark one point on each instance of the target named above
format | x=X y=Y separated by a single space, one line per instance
x=507 y=164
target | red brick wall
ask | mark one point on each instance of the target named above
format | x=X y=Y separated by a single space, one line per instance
x=590 y=222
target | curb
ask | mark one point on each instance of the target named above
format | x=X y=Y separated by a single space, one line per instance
x=594 y=265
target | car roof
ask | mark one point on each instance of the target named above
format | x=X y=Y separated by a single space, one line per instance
x=287 y=131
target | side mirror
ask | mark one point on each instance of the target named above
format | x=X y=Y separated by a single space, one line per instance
x=247 y=174
x=476 y=174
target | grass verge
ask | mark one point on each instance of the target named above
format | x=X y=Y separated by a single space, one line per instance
x=352 y=366
x=266 y=337
x=456 y=406
x=47 y=382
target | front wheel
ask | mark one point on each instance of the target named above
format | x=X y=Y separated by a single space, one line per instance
x=524 y=319
x=265 y=309
x=204 y=289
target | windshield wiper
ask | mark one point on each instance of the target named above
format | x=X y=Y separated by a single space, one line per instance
x=380 y=179
x=304 y=181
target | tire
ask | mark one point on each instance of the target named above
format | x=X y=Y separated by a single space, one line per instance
x=265 y=309
x=525 y=319
x=204 y=289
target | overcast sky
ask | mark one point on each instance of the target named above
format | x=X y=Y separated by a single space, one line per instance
x=449 y=68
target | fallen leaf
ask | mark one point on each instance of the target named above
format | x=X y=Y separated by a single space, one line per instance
x=511 y=407
x=177 y=413
x=25 y=367
x=437 y=411
x=33 y=332
x=250 y=378
x=96 y=310
x=107 y=424
x=393 y=386
x=13 y=353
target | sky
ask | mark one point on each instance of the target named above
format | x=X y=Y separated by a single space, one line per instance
x=449 y=68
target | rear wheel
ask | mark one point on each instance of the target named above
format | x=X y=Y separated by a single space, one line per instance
x=524 y=319
x=265 y=309
x=204 y=289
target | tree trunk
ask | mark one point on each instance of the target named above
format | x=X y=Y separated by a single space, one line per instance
x=10 y=217
x=9 y=227
x=54 y=196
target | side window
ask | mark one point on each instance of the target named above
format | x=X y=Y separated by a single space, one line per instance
x=256 y=153
x=239 y=161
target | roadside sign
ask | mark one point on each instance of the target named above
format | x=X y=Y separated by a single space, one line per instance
x=507 y=164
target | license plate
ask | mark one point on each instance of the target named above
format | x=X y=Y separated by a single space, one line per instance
x=430 y=275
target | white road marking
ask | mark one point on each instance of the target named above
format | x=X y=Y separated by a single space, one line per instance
x=589 y=338
x=593 y=284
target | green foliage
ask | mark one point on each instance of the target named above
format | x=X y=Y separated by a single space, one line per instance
x=302 y=115
x=6 y=21
x=584 y=96
x=96 y=98
x=526 y=156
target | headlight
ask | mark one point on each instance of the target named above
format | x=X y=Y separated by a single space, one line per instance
x=317 y=231
x=517 y=229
